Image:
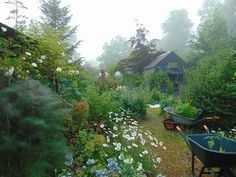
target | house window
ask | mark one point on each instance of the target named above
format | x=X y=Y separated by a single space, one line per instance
x=172 y=64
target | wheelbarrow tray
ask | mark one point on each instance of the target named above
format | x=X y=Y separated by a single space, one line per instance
x=213 y=157
x=181 y=119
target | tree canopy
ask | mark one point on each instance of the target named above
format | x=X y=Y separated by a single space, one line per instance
x=177 y=31
x=114 y=51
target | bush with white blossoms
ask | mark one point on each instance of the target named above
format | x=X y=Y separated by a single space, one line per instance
x=131 y=144
x=123 y=149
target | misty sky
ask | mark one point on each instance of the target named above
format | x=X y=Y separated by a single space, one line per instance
x=100 y=20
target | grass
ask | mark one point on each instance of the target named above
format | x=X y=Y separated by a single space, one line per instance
x=176 y=160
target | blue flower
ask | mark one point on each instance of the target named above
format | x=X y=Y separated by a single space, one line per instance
x=69 y=160
x=90 y=162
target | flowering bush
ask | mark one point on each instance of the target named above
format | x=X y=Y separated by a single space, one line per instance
x=123 y=150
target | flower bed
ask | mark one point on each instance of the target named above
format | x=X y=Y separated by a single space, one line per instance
x=122 y=148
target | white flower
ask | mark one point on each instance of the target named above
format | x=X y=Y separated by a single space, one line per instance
x=117 y=148
x=108 y=140
x=121 y=156
x=70 y=61
x=4 y=29
x=40 y=60
x=58 y=69
x=134 y=133
x=34 y=65
x=129 y=147
x=140 y=166
x=102 y=126
x=129 y=161
x=153 y=144
x=164 y=147
x=27 y=71
x=59 y=43
x=63 y=54
x=105 y=145
x=143 y=142
x=28 y=53
x=160 y=143
x=158 y=160
x=145 y=152
x=135 y=145
x=115 y=128
x=140 y=155
x=43 y=57
x=10 y=71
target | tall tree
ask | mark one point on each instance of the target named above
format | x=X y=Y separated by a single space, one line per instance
x=229 y=12
x=114 y=51
x=208 y=8
x=59 y=18
x=16 y=13
x=212 y=34
x=177 y=31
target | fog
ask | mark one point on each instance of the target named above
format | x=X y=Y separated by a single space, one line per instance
x=99 y=21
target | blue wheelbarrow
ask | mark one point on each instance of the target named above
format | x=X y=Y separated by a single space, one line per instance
x=218 y=159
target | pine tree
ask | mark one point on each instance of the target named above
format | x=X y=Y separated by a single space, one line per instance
x=31 y=125
x=58 y=18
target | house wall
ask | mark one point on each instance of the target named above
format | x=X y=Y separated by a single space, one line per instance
x=147 y=71
x=171 y=58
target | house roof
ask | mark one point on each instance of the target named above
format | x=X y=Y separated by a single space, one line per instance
x=157 y=60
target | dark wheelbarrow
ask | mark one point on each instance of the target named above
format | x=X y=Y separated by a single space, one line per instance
x=217 y=159
x=178 y=120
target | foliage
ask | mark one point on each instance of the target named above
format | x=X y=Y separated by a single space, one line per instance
x=123 y=151
x=100 y=104
x=140 y=39
x=15 y=15
x=176 y=38
x=31 y=137
x=186 y=110
x=156 y=80
x=211 y=36
x=211 y=85
x=135 y=101
x=58 y=19
x=114 y=51
x=166 y=101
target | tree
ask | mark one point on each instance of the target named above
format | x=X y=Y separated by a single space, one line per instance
x=177 y=31
x=32 y=143
x=211 y=34
x=208 y=8
x=140 y=39
x=16 y=15
x=144 y=51
x=114 y=51
x=58 y=18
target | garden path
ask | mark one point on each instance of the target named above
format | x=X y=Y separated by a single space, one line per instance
x=176 y=160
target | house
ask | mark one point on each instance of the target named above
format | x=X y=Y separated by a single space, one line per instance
x=161 y=61
x=170 y=63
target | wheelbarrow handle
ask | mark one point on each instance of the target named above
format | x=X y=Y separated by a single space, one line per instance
x=206 y=128
x=184 y=136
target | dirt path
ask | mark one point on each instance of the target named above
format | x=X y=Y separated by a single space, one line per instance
x=176 y=160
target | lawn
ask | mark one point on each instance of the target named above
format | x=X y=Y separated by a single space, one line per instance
x=176 y=160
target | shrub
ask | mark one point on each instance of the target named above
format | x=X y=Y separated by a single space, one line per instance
x=135 y=101
x=101 y=104
x=166 y=101
x=185 y=109
x=212 y=87
x=32 y=143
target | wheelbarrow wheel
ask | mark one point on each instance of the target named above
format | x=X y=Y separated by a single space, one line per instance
x=169 y=124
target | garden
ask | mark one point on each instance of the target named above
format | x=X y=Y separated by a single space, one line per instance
x=64 y=119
